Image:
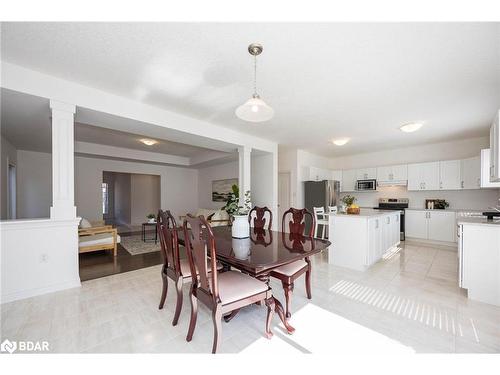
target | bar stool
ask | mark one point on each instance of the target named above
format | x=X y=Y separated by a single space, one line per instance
x=321 y=219
x=332 y=210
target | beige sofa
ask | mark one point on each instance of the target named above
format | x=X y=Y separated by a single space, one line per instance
x=216 y=217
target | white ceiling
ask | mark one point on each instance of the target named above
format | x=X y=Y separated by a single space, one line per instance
x=25 y=122
x=324 y=80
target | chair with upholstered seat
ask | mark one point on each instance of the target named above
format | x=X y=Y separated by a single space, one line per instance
x=259 y=221
x=288 y=273
x=174 y=267
x=220 y=292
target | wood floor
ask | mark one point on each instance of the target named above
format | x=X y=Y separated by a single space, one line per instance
x=102 y=263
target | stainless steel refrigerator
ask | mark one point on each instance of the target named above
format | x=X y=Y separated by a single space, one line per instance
x=320 y=194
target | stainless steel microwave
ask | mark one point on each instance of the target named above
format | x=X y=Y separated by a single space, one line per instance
x=366 y=184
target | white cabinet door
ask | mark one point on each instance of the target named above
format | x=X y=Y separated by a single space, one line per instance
x=400 y=172
x=374 y=238
x=441 y=226
x=495 y=149
x=366 y=173
x=416 y=224
x=337 y=175
x=415 y=177
x=485 y=170
x=384 y=174
x=450 y=176
x=395 y=230
x=349 y=180
x=471 y=173
x=430 y=175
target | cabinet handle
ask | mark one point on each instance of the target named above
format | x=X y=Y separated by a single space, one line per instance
x=441 y=184
x=462 y=184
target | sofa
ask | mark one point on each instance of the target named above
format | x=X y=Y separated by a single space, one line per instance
x=96 y=236
x=215 y=217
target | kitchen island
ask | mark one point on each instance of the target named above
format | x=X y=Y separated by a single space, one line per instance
x=359 y=241
x=479 y=258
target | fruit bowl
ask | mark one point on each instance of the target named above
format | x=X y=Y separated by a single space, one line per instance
x=353 y=210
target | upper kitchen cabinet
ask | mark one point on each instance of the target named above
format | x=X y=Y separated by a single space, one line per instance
x=495 y=149
x=423 y=176
x=485 y=170
x=392 y=174
x=349 y=178
x=366 y=174
x=316 y=174
x=450 y=175
x=471 y=173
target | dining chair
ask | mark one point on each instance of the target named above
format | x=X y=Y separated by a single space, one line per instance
x=288 y=273
x=220 y=292
x=321 y=219
x=259 y=221
x=175 y=268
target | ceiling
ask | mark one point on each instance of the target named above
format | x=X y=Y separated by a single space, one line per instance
x=26 y=124
x=357 y=80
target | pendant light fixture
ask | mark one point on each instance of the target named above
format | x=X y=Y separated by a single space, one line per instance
x=255 y=109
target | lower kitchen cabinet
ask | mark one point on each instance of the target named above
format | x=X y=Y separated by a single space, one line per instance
x=430 y=225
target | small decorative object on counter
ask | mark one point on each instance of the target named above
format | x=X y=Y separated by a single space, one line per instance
x=151 y=218
x=352 y=209
x=436 y=204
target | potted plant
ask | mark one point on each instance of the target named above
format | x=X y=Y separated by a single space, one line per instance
x=352 y=208
x=151 y=218
x=239 y=214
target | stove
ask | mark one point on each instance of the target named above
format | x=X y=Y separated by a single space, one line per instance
x=395 y=204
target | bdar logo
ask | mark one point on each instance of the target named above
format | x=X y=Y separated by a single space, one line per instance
x=8 y=346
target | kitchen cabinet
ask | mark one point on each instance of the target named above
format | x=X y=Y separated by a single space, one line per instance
x=479 y=261
x=430 y=225
x=392 y=173
x=337 y=175
x=375 y=242
x=423 y=176
x=349 y=179
x=485 y=170
x=450 y=175
x=470 y=169
x=495 y=150
x=366 y=174
x=316 y=174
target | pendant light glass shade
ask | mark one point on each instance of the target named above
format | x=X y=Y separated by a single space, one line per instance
x=254 y=110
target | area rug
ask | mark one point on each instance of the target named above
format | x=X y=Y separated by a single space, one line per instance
x=135 y=246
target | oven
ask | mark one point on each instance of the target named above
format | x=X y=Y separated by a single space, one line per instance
x=395 y=204
x=366 y=185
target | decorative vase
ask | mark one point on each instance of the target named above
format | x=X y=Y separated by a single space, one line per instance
x=241 y=227
x=241 y=248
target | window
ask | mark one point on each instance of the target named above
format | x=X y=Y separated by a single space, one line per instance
x=105 y=200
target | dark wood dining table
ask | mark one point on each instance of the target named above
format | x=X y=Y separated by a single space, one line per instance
x=261 y=253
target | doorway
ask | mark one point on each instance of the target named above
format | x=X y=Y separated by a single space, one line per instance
x=11 y=192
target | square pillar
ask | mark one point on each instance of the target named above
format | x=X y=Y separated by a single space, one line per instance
x=244 y=170
x=63 y=161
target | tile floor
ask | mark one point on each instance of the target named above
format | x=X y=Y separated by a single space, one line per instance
x=406 y=303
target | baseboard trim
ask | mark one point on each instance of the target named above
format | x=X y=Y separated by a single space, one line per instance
x=445 y=245
x=23 y=294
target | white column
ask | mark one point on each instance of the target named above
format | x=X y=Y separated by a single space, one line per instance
x=63 y=161
x=244 y=157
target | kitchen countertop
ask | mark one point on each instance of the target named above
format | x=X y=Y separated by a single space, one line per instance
x=448 y=209
x=478 y=221
x=366 y=213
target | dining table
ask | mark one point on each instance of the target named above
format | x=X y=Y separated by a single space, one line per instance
x=261 y=253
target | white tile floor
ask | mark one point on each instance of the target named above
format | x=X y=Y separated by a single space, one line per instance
x=409 y=302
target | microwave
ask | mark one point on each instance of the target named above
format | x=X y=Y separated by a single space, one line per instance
x=366 y=184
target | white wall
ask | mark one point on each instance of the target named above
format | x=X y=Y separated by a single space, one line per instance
x=209 y=174
x=179 y=187
x=262 y=180
x=34 y=184
x=8 y=156
x=288 y=162
x=144 y=197
x=460 y=149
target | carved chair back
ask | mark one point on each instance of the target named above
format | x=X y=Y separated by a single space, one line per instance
x=167 y=231
x=259 y=221
x=297 y=225
x=200 y=241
